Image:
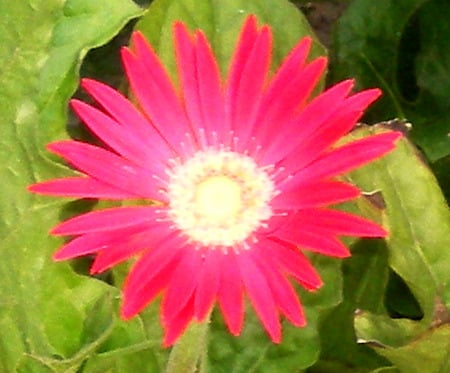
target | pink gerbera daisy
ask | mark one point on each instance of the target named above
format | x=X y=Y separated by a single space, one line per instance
x=238 y=174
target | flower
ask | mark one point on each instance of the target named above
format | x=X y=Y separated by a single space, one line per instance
x=238 y=174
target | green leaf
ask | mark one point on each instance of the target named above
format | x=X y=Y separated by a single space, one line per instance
x=429 y=353
x=365 y=278
x=419 y=225
x=44 y=305
x=132 y=346
x=402 y=47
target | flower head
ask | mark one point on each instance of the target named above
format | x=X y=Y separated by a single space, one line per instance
x=239 y=174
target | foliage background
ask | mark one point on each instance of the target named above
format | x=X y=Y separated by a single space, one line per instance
x=383 y=310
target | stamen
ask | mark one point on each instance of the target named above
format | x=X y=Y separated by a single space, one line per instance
x=202 y=137
x=214 y=139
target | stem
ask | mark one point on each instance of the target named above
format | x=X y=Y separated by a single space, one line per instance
x=190 y=351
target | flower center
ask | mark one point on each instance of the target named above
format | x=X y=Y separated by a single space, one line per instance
x=219 y=198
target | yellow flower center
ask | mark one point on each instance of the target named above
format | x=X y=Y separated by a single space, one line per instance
x=219 y=198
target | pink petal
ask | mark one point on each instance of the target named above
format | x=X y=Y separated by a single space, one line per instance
x=245 y=86
x=284 y=294
x=123 y=111
x=155 y=259
x=337 y=223
x=151 y=274
x=177 y=326
x=349 y=157
x=344 y=119
x=247 y=38
x=230 y=294
x=293 y=262
x=280 y=86
x=201 y=83
x=119 y=138
x=312 y=117
x=107 y=220
x=106 y=167
x=260 y=295
x=80 y=187
x=135 y=302
x=280 y=107
x=187 y=71
x=155 y=93
x=128 y=246
x=244 y=47
x=320 y=193
x=182 y=285
x=313 y=241
x=208 y=283
x=111 y=256
x=91 y=243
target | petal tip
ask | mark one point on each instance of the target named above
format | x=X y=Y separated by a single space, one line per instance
x=58 y=257
x=126 y=313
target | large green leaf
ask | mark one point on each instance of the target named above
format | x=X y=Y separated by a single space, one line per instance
x=365 y=279
x=401 y=46
x=419 y=225
x=45 y=307
x=429 y=353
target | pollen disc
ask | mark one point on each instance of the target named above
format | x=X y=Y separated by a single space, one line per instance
x=219 y=198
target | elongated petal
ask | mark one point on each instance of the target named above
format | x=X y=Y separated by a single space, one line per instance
x=208 y=283
x=124 y=112
x=80 y=187
x=120 y=139
x=182 y=285
x=92 y=243
x=177 y=326
x=230 y=295
x=114 y=255
x=320 y=193
x=150 y=275
x=134 y=302
x=293 y=262
x=284 y=294
x=127 y=246
x=313 y=241
x=284 y=108
x=201 y=84
x=337 y=222
x=244 y=47
x=260 y=295
x=245 y=89
x=319 y=110
x=281 y=97
x=107 y=220
x=107 y=167
x=343 y=120
x=349 y=157
x=156 y=94
x=155 y=260
x=291 y=67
